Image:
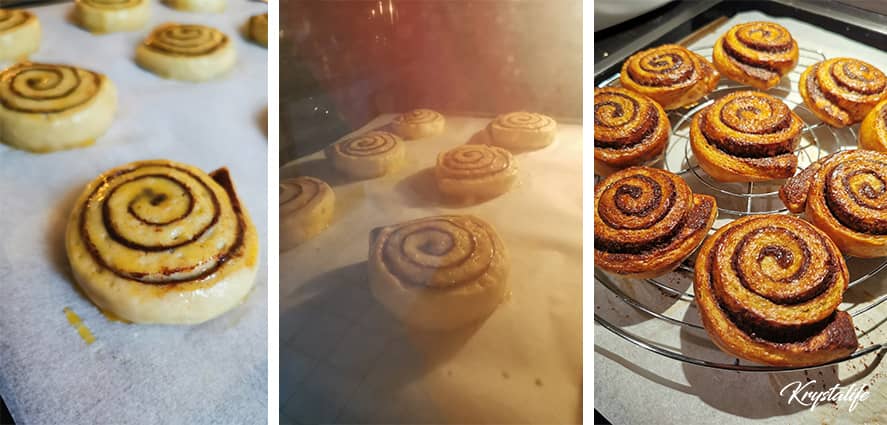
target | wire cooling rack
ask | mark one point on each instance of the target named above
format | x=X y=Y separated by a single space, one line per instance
x=736 y=200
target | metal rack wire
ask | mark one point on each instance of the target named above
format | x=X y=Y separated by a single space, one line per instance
x=737 y=200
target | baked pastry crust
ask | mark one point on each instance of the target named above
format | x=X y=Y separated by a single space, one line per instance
x=438 y=273
x=369 y=155
x=647 y=221
x=522 y=130
x=756 y=53
x=104 y=16
x=873 y=130
x=845 y=196
x=257 y=29
x=19 y=34
x=841 y=91
x=629 y=129
x=475 y=171
x=162 y=242
x=186 y=52
x=418 y=123
x=215 y=6
x=669 y=74
x=47 y=107
x=768 y=288
x=746 y=136
x=306 y=209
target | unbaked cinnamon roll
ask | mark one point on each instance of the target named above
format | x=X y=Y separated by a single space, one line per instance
x=841 y=91
x=768 y=290
x=475 y=171
x=845 y=195
x=103 y=16
x=438 y=272
x=213 y=6
x=47 y=107
x=873 y=130
x=756 y=53
x=647 y=221
x=522 y=130
x=746 y=136
x=629 y=129
x=306 y=209
x=19 y=34
x=369 y=155
x=162 y=242
x=418 y=123
x=186 y=52
x=670 y=74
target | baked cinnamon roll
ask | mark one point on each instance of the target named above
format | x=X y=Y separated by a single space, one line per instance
x=522 y=130
x=873 y=130
x=746 y=136
x=369 y=155
x=475 y=171
x=257 y=29
x=186 y=52
x=19 y=34
x=47 y=107
x=647 y=221
x=629 y=129
x=418 y=123
x=841 y=91
x=104 y=16
x=162 y=242
x=438 y=272
x=768 y=290
x=845 y=195
x=306 y=209
x=670 y=74
x=756 y=53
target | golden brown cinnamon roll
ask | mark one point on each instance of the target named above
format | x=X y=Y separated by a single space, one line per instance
x=746 y=136
x=629 y=129
x=438 y=272
x=646 y=221
x=756 y=53
x=873 y=130
x=845 y=195
x=670 y=74
x=841 y=91
x=475 y=171
x=768 y=290
x=19 y=34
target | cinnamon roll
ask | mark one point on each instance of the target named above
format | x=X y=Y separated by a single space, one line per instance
x=257 y=29
x=213 y=6
x=670 y=74
x=845 y=195
x=768 y=290
x=475 y=171
x=162 y=242
x=186 y=52
x=104 y=16
x=306 y=209
x=647 y=221
x=873 y=130
x=45 y=107
x=369 y=155
x=522 y=130
x=438 y=272
x=418 y=123
x=756 y=53
x=841 y=91
x=629 y=129
x=746 y=136
x=19 y=34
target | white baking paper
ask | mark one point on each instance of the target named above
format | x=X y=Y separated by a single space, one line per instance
x=344 y=359
x=212 y=373
x=634 y=386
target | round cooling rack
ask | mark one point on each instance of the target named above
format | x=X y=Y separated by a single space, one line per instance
x=734 y=200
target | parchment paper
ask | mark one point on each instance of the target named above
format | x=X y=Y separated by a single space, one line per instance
x=633 y=386
x=345 y=359
x=212 y=373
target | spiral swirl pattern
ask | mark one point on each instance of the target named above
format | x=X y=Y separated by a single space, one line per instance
x=298 y=193
x=440 y=252
x=647 y=220
x=46 y=88
x=369 y=144
x=629 y=128
x=112 y=4
x=524 y=121
x=746 y=136
x=756 y=53
x=474 y=161
x=768 y=287
x=186 y=40
x=841 y=91
x=159 y=223
x=418 y=116
x=670 y=74
x=14 y=18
